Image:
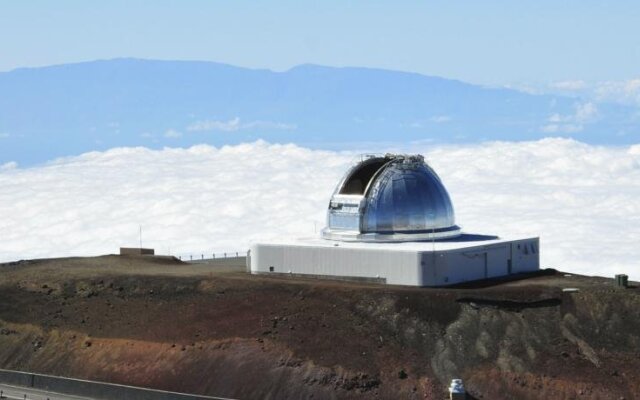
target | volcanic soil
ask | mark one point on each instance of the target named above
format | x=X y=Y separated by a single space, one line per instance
x=215 y=330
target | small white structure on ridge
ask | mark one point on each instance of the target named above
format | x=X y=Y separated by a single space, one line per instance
x=456 y=390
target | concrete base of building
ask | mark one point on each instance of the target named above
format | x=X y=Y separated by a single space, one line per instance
x=438 y=263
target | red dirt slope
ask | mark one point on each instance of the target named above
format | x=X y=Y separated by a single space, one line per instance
x=215 y=330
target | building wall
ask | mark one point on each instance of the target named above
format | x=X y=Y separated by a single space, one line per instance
x=463 y=265
x=136 y=251
x=399 y=267
x=481 y=262
x=525 y=255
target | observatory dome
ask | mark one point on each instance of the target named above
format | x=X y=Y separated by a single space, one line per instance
x=391 y=198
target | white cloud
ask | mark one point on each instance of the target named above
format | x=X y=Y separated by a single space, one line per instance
x=584 y=201
x=236 y=124
x=624 y=92
x=8 y=166
x=214 y=125
x=620 y=92
x=525 y=87
x=4 y=135
x=172 y=134
x=575 y=85
x=561 y=128
x=585 y=113
x=439 y=119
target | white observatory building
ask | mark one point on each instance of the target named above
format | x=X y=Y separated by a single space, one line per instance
x=390 y=220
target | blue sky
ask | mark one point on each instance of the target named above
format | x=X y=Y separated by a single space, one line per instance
x=489 y=42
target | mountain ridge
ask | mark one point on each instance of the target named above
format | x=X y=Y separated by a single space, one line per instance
x=65 y=109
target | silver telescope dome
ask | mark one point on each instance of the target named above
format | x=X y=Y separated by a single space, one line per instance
x=391 y=198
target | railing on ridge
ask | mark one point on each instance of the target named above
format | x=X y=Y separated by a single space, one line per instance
x=203 y=256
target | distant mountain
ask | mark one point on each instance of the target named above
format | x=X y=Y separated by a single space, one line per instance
x=67 y=109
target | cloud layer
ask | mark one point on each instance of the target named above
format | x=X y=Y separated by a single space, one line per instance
x=620 y=92
x=236 y=124
x=584 y=201
x=584 y=114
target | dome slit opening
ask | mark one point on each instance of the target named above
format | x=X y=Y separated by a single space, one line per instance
x=359 y=180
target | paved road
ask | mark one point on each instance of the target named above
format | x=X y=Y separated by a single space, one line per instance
x=18 y=393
